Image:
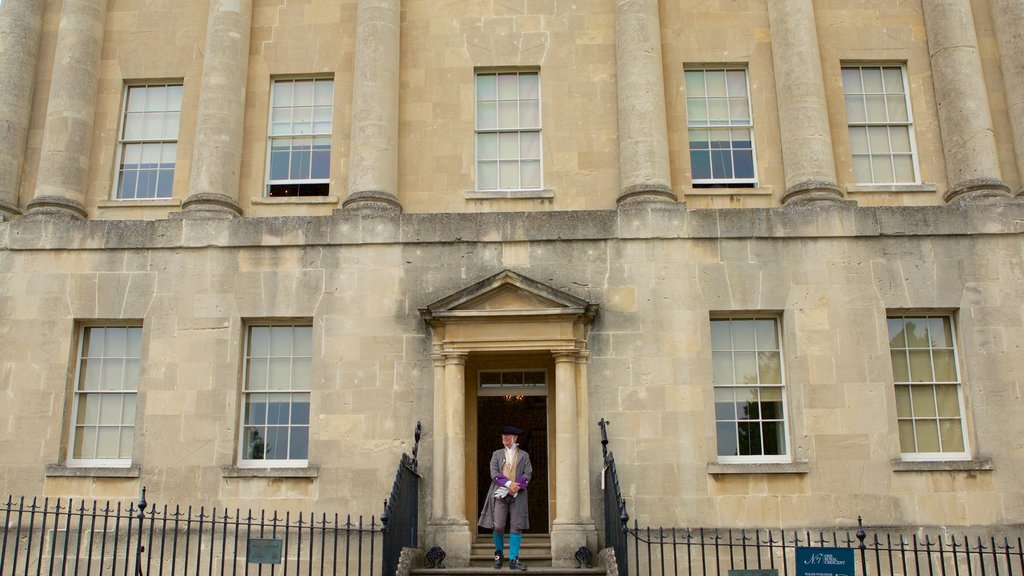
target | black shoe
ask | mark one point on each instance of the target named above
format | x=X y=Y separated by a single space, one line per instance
x=498 y=560
x=515 y=564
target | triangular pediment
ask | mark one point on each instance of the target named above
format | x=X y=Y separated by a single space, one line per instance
x=508 y=293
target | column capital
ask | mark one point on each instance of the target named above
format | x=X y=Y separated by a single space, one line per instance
x=565 y=356
x=454 y=357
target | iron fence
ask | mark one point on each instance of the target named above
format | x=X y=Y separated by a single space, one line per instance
x=85 y=538
x=690 y=551
x=616 y=518
x=401 y=510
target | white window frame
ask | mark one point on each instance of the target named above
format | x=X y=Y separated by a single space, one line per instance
x=243 y=460
x=933 y=456
x=78 y=391
x=122 y=142
x=909 y=124
x=519 y=129
x=693 y=124
x=271 y=137
x=787 y=456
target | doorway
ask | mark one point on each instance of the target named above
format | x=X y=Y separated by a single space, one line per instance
x=530 y=413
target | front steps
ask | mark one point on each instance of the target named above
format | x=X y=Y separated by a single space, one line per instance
x=535 y=553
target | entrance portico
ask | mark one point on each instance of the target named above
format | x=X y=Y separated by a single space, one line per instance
x=509 y=314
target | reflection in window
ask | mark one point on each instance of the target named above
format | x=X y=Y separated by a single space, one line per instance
x=513 y=378
x=106 y=387
x=301 y=113
x=149 y=141
x=929 y=398
x=275 y=415
x=508 y=144
x=750 y=414
x=720 y=127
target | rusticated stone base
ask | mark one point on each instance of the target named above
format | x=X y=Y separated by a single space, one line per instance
x=813 y=192
x=640 y=193
x=373 y=200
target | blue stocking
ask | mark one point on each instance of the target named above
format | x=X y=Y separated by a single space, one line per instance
x=499 y=542
x=514 y=540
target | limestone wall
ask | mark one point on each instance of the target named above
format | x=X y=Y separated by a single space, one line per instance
x=657 y=274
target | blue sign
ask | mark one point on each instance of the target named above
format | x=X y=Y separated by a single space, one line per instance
x=824 y=562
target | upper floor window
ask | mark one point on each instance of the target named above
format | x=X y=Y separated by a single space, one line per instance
x=881 y=130
x=508 y=145
x=106 y=386
x=275 y=396
x=301 y=112
x=148 y=144
x=750 y=406
x=929 y=398
x=721 y=129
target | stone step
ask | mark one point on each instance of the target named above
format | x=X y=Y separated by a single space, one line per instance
x=490 y=571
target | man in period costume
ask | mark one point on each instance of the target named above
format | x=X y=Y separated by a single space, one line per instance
x=506 y=498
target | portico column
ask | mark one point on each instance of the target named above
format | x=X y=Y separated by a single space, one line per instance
x=1008 y=16
x=20 y=25
x=63 y=172
x=373 y=157
x=568 y=530
x=455 y=425
x=810 y=171
x=965 y=120
x=644 y=172
x=437 y=499
x=583 y=434
x=217 y=156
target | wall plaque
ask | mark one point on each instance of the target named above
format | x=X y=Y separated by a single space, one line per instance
x=824 y=561
x=263 y=551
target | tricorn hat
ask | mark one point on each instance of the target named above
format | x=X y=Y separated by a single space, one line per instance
x=511 y=430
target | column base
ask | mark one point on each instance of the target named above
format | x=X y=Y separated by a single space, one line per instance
x=42 y=207
x=8 y=211
x=978 y=191
x=566 y=538
x=641 y=193
x=208 y=205
x=372 y=200
x=813 y=192
x=454 y=536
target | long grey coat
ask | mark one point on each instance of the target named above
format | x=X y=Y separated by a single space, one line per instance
x=523 y=473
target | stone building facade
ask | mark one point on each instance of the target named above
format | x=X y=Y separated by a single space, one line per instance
x=778 y=244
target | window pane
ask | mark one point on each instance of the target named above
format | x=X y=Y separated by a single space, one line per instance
x=917 y=333
x=256 y=409
x=127 y=443
x=487 y=146
x=301 y=374
x=255 y=445
x=300 y=409
x=112 y=374
x=715 y=81
x=859 y=139
x=279 y=375
x=718 y=111
x=899 y=137
x=278 y=409
x=107 y=439
x=897 y=108
x=697 y=111
x=736 y=81
x=923 y=398
x=907 y=441
x=766 y=335
x=323 y=93
x=769 y=367
x=694 y=80
x=508 y=115
x=851 y=81
x=486 y=88
x=872 y=80
x=303 y=95
x=508 y=146
x=743 y=334
x=700 y=163
x=725 y=404
x=878 y=139
x=893 y=80
x=530 y=174
x=747 y=404
x=721 y=338
x=302 y=341
x=529 y=114
x=88 y=409
x=508 y=175
x=529 y=145
x=771 y=403
x=882 y=168
x=903 y=168
x=774 y=438
x=927 y=435
x=529 y=86
x=136 y=99
x=749 y=438
x=746 y=367
x=174 y=98
x=862 y=169
x=298 y=447
x=487 y=175
x=952 y=435
x=508 y=86
x=277 y=443
x=855 y=108
x=726 y=432
x=721 y=363
x=897 y=336
x=945 y=367
x=920 y=366
x=487 y=115
x=903 y=409
x=948 y=401
x=876 y=108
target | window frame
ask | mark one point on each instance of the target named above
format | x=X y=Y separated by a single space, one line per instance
x=511 y=390
x=519 y=129
x=268 y=183
x=713 y=182
x=909 y=124
x=241 y=459
x=787 y=456
x=76 y=392
x=122 y=142
x=961 y=400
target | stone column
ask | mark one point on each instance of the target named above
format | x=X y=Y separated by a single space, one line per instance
x=452 y=532
x=1008 y=16
x=568 y=531
x=965 y=120
x=583 y=434
x=67 y=134
x=803 y=114
x=437 y=506
x=217 y=156
x=373 y=157
x=644 y=172
x=21 y=23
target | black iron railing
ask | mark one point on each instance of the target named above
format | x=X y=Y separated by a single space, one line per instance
x=87 y=538
x=401 y=510
x=690 y=551
x=616 y=519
